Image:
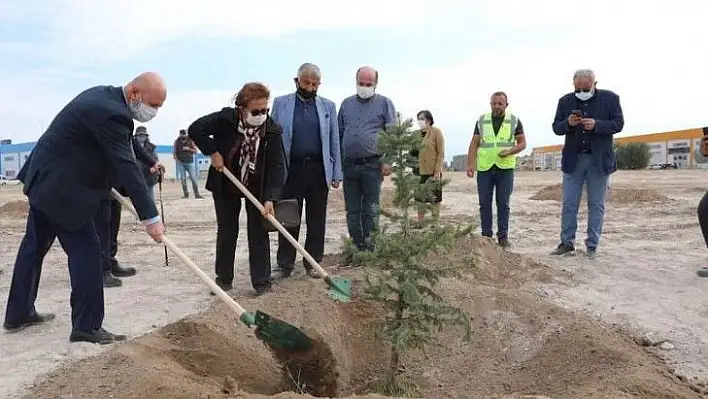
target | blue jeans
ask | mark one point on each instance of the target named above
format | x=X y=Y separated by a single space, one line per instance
x=362 y=190
x=586 y=173
x=184 y=169
x=501 y=180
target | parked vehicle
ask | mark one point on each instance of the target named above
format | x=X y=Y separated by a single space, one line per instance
x=4 y=181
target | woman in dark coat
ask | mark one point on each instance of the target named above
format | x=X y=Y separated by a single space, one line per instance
x=249 y=143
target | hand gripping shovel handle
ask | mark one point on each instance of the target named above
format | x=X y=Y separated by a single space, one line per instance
x=277 y=224
x=246 y=317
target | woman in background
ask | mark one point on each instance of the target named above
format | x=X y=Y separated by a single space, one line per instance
x=430 y=161
x=249 y=143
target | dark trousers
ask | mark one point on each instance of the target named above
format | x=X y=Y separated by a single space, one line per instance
x=84 y=252
x=306 y=182
x=102 y=221
x=703 y=216
x=115 y=213
x=362 y=192
x=501 y=181
x=228 y=209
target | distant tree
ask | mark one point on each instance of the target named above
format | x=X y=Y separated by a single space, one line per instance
x=633 y=155
x=399 y=276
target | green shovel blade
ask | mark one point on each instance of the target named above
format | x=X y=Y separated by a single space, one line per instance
x=339 y=288
x=279 y=334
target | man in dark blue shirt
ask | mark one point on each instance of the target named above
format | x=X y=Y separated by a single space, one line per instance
x=311 y=145
x=588 y=118
x=361 y=118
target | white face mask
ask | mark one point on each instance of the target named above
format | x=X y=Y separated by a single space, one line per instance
x=141 y=112
x=256 y=120
x=584 y=96
x=365 y=92
x=422 y=123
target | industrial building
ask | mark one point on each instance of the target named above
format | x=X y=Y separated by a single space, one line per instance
x=673 y=148
x=13 y=156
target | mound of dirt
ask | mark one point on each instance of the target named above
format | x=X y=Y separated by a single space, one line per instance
x=616 y=195
x=14 y=209
x=522 y=345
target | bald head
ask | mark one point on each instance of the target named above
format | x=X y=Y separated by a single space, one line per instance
x=367 y=76
x=147 y=88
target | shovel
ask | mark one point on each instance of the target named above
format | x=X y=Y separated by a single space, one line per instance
x=340 y=287
x=274 y=332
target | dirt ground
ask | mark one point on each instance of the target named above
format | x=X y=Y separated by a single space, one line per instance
x=560 y=327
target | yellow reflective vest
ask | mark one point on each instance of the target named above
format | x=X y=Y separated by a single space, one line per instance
x=491 y=144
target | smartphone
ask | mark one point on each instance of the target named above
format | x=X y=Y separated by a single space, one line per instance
x=577 y=112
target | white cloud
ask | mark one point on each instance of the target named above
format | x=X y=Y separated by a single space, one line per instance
x=653 y=56
x=83 y=30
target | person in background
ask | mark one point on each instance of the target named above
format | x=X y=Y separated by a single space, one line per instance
x=108 y=220
x=312 y=153
x=703 y=205
x=498 y=136
x=361 y=118
x=67 y=178
x=183 y=152
x=430 y=160
x=142 y=140
x=588 y=118
x=249 y=143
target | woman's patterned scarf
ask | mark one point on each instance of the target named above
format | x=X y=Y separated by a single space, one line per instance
x=246 y=153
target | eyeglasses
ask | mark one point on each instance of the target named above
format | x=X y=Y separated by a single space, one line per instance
x=256 y=112
x=583 y=90
x=365 y=84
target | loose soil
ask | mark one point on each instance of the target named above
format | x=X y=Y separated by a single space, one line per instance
x=522 y=345
x=14 y=209
x=615 y=195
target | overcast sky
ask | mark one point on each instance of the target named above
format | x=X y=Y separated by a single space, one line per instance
x=445 y=55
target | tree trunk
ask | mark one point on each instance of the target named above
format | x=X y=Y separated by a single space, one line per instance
x=395 y=360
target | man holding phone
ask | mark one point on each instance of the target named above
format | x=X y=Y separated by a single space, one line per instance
x=588 y=118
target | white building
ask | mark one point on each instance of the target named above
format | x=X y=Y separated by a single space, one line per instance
x=13 y=157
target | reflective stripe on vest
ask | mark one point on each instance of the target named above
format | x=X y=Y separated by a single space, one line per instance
x=491 y=144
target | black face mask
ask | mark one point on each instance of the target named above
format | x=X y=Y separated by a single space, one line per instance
x=307 y=95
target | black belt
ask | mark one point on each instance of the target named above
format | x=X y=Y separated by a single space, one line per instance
x=364 y=160
x=305 y=160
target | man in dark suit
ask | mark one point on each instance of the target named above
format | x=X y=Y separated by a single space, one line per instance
x=588 y=118
x=83 y=153
x=108 y=221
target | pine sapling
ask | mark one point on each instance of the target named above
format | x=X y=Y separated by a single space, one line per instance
x=399 y=275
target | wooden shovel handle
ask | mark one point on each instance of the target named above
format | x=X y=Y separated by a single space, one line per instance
x=209 y=282
x=275 y=223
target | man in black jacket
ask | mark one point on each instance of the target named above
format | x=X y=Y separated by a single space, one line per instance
x=108 y=220
x=82 y=154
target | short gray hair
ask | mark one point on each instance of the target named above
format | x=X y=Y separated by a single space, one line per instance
x=309 y=69
x=584 y=73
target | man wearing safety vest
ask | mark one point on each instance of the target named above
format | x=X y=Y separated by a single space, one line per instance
x=498 y=137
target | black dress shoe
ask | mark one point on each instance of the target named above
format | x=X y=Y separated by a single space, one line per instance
x=120 y=271
x=224 y=286
x=282 y=272
x=311 y=273
x=109 y=280
x=263 y=290
x=98 y=336
x=32 y=320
